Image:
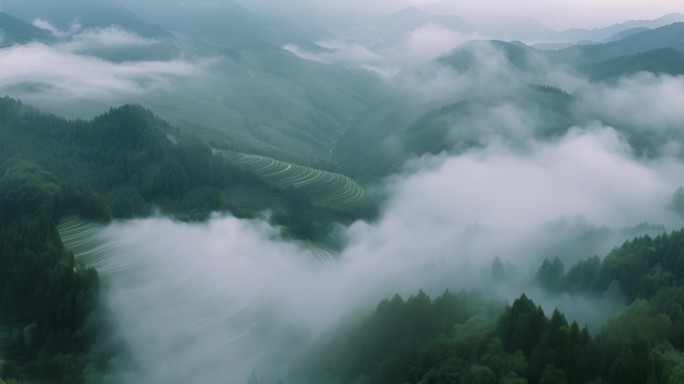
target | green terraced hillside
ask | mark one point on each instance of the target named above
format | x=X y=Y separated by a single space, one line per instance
x=324 y=188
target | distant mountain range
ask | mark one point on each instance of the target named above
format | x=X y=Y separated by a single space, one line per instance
x=659 y=50
x=616 y=31
x=87 y=14
x=265 y=100
x=72 y=17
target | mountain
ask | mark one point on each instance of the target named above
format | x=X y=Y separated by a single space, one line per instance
x=624 y=34
x=389 y=133
x=88 y=18
x=125 y=161
x=229 y=24
x=255 y=96
x=393 y=28
x=465 y=57
x=514 y=28
x=667 y=61
x=410 y=18
x=669 y=36
x=88 y=14
x=605 y=33
x=17 y=31
x=270 y=102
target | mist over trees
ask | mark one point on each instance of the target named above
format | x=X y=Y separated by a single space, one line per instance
x=223 y=191
x=466 y=337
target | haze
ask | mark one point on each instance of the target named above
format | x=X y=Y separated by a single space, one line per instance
x=414 y=152
x=559 y=14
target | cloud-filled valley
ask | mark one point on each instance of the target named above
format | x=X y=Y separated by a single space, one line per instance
x=312 y=168
x=448 y=218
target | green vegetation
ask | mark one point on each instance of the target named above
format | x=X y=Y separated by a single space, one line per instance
x=382 y=140
x=667 y=61
x=270 y=102
x=465 y=338
x=324 y=188
x=47 y=301
x=269 y=131
x=123 y=163
x=127 y=162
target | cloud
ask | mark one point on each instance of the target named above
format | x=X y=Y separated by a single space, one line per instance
x=338 y=52
x=590 y=172
x=644 y=101
x=47 y=25
x=109 y=37
x=226 y=298
x=416 y=47
x=214 y=302
x=480 y=71
x=430 y=41
x=37 y=72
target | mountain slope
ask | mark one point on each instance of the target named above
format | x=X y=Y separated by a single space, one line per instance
x=404 y=20
x=667 y=61
x=669 y=36
x=381 y=32
x=88 y=14
x=229 y=24
x=269 y=102
x=605 y=33
x=513 y=28
x=16 y=31
x=103 y=29
x=624 y=34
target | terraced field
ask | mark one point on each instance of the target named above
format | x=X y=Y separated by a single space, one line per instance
x=133 y=254
x=324 y=188
x=170 y=283
x=90 y=247
x=254 y=198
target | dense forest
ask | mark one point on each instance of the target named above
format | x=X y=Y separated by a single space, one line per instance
x=127 y=162
x=468 y=338
x=300 y=162
x=122 y=164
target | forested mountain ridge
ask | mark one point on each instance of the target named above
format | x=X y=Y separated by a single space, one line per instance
x=124 y=155
x=123 y=163
x=227 y=240
x=468 y=338
x=127 y=162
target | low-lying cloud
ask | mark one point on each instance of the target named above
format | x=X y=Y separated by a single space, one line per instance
x=430 y=41
x=40 y=73
x=416 y=47
x=643 y=101
x=218 y=301
x=79 y=39
x=109 y=37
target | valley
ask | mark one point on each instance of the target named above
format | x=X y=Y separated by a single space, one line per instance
x=286 y=193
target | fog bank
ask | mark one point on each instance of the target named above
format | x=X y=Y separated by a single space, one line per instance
x=218 y=301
